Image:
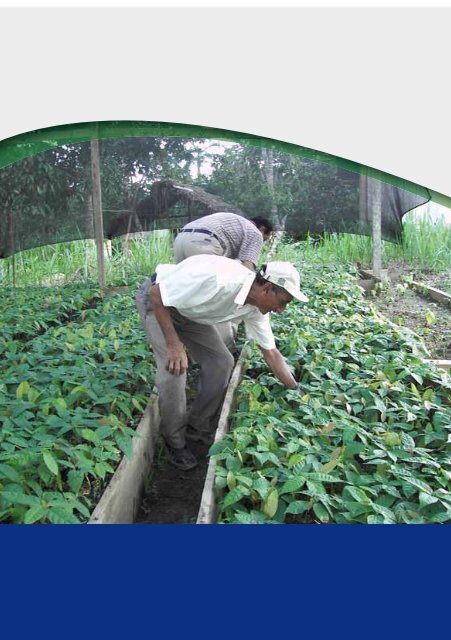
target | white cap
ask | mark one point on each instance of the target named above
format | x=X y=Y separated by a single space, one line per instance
x=284 y=275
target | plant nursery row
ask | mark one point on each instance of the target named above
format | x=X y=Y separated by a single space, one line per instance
x=367 y=438
x=74 y=381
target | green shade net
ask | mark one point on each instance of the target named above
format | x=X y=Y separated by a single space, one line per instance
x=147 y=183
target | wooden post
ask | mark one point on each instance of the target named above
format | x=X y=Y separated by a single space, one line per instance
x=363 y=200
x=12 y=248
x=97 y=210
x=375 y=189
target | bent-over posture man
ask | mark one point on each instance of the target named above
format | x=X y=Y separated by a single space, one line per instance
x=223 y=234
x=179 y=306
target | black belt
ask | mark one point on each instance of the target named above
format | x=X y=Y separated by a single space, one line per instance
x=209 y=233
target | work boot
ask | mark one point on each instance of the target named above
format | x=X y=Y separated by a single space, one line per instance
x=181 y=457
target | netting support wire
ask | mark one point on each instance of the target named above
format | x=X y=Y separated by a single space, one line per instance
x=375 y=188
x=97 y=210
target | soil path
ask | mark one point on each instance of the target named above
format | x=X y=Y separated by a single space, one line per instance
x=430 y=320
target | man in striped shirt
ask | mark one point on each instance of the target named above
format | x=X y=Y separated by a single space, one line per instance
x=223 y=234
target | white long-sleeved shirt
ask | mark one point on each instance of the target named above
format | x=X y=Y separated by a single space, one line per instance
x=210 y=289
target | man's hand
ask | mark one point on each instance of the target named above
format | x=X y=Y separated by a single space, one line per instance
x=277 y=363
x=177 y=362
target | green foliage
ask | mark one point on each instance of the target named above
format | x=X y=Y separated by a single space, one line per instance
x=367 y=438
x=28 y=312
x=69 y=401
x=302 y=190
x=425 y=245
x=71 y=262
x=46 y=198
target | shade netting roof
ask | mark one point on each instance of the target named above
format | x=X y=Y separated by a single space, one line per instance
x=146 y=182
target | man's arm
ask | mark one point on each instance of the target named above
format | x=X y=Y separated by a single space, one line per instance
x=276 y=362
x=177 y=361
x=248 y=264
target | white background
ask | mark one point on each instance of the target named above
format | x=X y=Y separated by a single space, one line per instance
x=369 y=85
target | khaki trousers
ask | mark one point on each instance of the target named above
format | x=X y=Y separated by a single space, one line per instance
x=205 y=346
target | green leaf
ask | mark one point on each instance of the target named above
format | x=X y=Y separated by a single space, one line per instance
x=104 y=431
x=90 y=435
x=262 y=486
x=50 y=462
x=18 y=497
x=245 y=518
x=296 y=458
x=322 y=477
x=9 y=472
x=231 y=480
x=101 y=469
x=325 y=468
x=330 y=426
x=375 y=519
x=75 y=480
x=124 y=443
x=234 y=496
x=426 y=499
x=389 y=516
x=137 y=404
x=81 y=508
x=443 y=516
x=298 y=506
x=321 y=512
x=62 y=515
x=271 y=503
x=22 y=390
x=380 y=406
x=358 y=495
x=357 y=508
x=59 y=404
x=34 y=514
x=418 y=483
x=392 y=439
x=291 y=485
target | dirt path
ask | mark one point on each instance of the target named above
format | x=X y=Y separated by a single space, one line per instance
x=173 y=496
x=431 y=321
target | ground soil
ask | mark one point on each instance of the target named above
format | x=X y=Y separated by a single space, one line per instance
x=173 y=496
x=404 y=306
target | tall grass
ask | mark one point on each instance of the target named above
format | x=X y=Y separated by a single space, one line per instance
x=425 y=245
x=77 y=261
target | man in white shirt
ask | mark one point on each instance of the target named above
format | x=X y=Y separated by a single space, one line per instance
x=179 y=307
x=224 y=234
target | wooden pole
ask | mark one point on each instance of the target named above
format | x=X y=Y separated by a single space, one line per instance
x=12 y=248
x=375 y=188
x=363 y=200
x=97 y=210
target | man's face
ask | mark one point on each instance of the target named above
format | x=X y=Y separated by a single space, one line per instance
x=265 y=233
x=271 y=300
